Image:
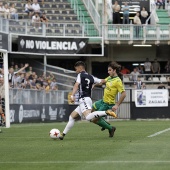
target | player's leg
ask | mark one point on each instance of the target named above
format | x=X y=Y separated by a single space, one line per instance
x=101 y=106
x=85 y=106
x=97 y=114
x=73 y=116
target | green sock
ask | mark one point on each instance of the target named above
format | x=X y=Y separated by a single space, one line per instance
x=101 y=122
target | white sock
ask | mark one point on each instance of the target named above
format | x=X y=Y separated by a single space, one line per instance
x=69 y=125
x=95 y=114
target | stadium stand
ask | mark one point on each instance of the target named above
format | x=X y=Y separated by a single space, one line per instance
x=61 y=14
x=163 y=16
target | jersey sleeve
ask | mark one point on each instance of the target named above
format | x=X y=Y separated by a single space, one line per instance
x=120 y=86
x=78 y=79
x=97 y=80
x=106 y=79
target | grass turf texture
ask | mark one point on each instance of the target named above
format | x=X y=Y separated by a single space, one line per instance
x=29 y=147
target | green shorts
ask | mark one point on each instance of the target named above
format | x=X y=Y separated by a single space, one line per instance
x=101 y=106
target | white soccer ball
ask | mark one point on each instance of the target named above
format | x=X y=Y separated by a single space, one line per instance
x=54 y=133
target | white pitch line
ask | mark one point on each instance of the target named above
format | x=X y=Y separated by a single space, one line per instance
x=158 y=133
x=82 y=162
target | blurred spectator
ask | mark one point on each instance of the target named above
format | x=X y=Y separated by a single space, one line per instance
x=139 y=84
x=47 y=86
x=137 y=22
x=26 y=84
x=167 y=66
x=28 y=9
x=12 y=75
x=20 y=79
x=53 y=84
x=38 y=86
x=6 y=11
x=44 y=19
x=160 y=3
x=134 y=74
x=51 y=76
x=33 y=83
x=141 y=69
x=32 y=75
x=36 y=20
x=30 y=70
x=144 y=15
x=16 y=67
x=39 y=81
x=125 y=70
x=2 y=9
x=147 y=66
x=12 y=64
x=125 y=10
x=22 y=65
x=36 y=7
x=156 y=67
x=116 y=14
x=13 y=12
x=161 y=86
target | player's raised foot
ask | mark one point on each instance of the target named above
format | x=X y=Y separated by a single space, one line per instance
x=111 y=113
x=61 y=137
x=112 y=131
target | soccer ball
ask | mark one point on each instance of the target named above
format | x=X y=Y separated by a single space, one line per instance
x=54 y=133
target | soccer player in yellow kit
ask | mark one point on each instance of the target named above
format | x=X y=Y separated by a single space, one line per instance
x=113 y=86
x=106 y=106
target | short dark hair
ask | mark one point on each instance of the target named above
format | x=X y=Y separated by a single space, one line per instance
x=80 y=63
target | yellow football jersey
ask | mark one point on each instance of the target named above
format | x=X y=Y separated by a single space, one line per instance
x=113 y=86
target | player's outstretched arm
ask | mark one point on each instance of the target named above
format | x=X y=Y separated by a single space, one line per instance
x=122 y=97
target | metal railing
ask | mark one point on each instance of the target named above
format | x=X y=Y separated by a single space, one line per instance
x=33 y=96
x=133 y=32
x=26 y=27
x=149 y=81
x=93 y=12
x=28 y=96
x=114 y=32
x=153 y=16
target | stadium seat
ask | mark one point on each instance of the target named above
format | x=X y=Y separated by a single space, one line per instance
x=127 y=32
x=155 y=79
x=142 y=78
x=55 y=12
x=32 y=30
x=19 y=5
x=149 y=79
x=46 y=5
x=57 y=31
x=54 y=6
x=163 y=79
x=125 y=79
x=151 y=32
x=49 y=30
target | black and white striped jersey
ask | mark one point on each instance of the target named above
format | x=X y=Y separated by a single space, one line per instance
x=86 y=82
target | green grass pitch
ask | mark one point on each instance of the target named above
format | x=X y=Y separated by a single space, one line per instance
x=29 y=147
